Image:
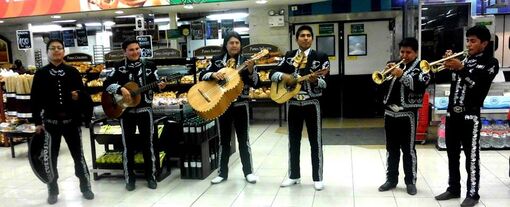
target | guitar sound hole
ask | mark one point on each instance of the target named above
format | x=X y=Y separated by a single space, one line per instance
x=222 y=82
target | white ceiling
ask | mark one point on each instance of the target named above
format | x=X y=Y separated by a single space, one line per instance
x=109 y=14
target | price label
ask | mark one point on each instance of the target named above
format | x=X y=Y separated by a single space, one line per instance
x=24 y=40
x=145 y=45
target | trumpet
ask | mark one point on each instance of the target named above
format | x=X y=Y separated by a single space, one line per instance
x=438 y=65
x=380 y=76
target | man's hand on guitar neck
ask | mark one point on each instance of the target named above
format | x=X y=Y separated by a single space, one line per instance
x=249 y=65
x=313 y=78
x=289 y=79
x=75 y=95
x=126 y=95
x=162 y=85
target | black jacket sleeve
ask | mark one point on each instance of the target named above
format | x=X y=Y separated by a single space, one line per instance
x=216 y=64
x=481 y=79
x=284 y=66
x=36 y=96
x=111 y=84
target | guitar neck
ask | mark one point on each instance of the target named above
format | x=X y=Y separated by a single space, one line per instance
x=147 y=87
x=303 y=78
x=155 y=84
x=241 y=67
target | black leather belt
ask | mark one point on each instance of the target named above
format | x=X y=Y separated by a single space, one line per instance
x=462 y=109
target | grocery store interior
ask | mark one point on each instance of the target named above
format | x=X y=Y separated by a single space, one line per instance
x=359 y=37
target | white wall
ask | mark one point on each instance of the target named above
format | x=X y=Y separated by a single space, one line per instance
x=260 y=32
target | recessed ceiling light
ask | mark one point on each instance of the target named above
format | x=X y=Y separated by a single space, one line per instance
x=64 y=21
x=108 y=23
x=56 y=17
x=119 y=12
x=261 y=1
x=45 y=28
x=126 y=16
x=188 y=6
x=158 y=20
x=1 y=21
x=93 y=24
x=237 y=15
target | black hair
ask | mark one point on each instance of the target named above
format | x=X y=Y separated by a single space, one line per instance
x=127 y=42
x=227 y=38
x=18 y=63
x=52 y=41
x=304 y=27
x=479 y=31
x=409 y=42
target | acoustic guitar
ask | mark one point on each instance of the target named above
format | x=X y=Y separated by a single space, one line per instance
x=114 y=105
x=281 y=92
x=211 y=98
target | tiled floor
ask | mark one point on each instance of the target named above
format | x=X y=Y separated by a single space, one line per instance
x=352 y=175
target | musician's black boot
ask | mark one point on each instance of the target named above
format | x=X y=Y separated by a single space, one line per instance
x=52 y=193
x=387 y=186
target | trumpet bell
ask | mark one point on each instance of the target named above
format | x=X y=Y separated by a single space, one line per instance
x=378 y=77
x=424 y=65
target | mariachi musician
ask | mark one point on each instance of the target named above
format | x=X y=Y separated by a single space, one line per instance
x=404 y=95
x=134 y=69
x=471 y=81
x=304 y=106
x=237 y=113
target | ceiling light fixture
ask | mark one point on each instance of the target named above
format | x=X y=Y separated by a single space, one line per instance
x=188 y=6
x=64 y=21
x=159 y=20
x=235 y=16
x=126 y=16
x=93 y=24
x=261 y=1
x=108 y=23
x=45 y=28
x=56 y=17
x=119 y=12
x=1 y=21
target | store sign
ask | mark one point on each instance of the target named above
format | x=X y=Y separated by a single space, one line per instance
x=145 y=42
x=81 y=37
x=255 y=48
x=56 y=35
x=114 y=55
x=23 y=8
x=24 y=40
x=166 y=53
x=68 y=36
x=326 y=29
x=78 y=57
x=197 y=31
x=357 y=28
x=207 y=51
x=211 y=29
x=174 y=33
x=227 y=25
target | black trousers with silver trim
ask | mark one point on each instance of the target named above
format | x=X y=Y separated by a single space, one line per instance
x=236 y=114
x=142 y=118
x=400 y=130
x=463 y=130
x=309 y=112
x=72 y=135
